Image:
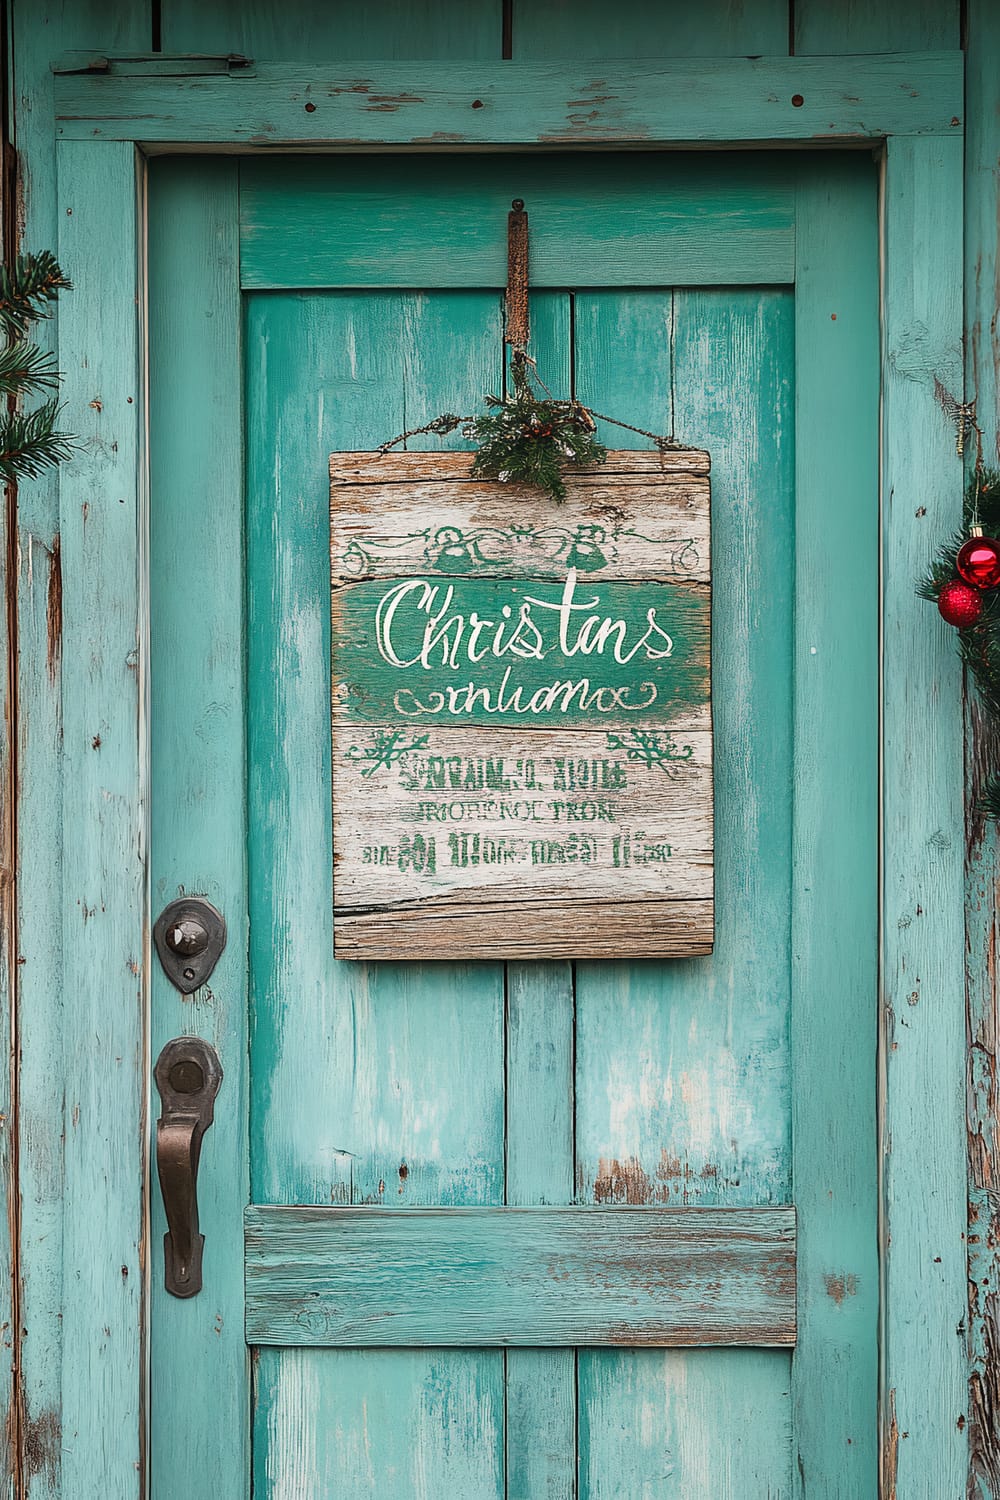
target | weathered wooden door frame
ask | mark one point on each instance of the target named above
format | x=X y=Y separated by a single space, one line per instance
x=111 y=114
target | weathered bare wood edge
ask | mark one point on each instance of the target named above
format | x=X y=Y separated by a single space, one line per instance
x=668 y=928
x=368 y=467
x=531 y=1276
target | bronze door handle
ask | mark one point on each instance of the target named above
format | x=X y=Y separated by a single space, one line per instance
x=188 y=1074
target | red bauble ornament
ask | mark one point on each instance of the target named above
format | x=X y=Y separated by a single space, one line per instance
x=978 y=562
x=959 y=604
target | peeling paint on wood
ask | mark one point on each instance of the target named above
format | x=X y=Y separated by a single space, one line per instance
x=521 y=1276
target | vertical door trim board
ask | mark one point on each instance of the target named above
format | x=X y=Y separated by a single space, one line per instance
x=105 y=978
x=103 y=524
x=834 y=955
x=924 y=1397
x=198 y=746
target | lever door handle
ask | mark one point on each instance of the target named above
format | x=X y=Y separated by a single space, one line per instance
x=188 y=1074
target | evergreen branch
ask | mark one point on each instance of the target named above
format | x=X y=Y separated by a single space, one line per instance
x=527 y=440
x=30 y=444
x=24 y=367
x=27 y=289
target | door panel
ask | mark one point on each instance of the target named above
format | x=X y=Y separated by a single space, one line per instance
x=659 y=1084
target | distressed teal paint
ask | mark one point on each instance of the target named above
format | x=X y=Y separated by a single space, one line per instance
x=105 y=796
x=982 y=359
x=360 y=1092
x=35 y=585
x=569 y=663
x=198 y=753
x=733 y=1385
x=302 y=229
x=683 y=1069
x=540 y=1384
x=521 y=104
x=476 y=1277
x=923 y=1019
x=834 y=948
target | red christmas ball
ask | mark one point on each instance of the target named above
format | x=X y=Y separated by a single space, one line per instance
x=978 y=562
x=959 y=604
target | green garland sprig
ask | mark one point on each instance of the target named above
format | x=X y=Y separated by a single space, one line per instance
x=30 y=441
x=528 y=439
x=978 y=644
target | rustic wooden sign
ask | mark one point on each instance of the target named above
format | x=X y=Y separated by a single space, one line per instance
x=522 y=738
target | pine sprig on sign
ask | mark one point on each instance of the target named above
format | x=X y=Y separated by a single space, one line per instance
x=30 y=442
x=978 y=644
x=528 y=439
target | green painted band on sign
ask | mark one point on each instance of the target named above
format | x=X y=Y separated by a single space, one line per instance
x=537 y=654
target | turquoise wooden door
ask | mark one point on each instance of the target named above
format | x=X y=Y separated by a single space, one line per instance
x=304 y=307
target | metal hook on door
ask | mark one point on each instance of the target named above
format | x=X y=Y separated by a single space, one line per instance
x=188 y=1075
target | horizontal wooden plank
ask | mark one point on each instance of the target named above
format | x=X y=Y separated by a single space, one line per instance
x=677 y=466
x=302 y=106
x=670 y=928
x=662 y=220
x=520 y=1276
x=616 y=522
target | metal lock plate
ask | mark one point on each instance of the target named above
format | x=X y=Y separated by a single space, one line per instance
x=190 y=935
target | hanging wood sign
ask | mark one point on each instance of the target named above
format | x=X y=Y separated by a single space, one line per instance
x=522 y=741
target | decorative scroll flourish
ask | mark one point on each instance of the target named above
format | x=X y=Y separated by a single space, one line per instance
x=483 y=550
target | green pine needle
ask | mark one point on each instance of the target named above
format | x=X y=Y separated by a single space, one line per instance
x=27 y=290
x=527 y=440
x=24 y=367
x=30 y=443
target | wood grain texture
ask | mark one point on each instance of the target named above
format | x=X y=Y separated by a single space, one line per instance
x=198 y=754
x=323 y=224
x=406 y=29
x=982 y=363
x=540 y=1384
x=852 y=26
x=520 y=104
x=363 y=1091
x=644 y=28
x=834 y=951
x=599 y=795
x=683 y=1069
x=520 y=1276
x=42 y=1204
x=924 y=1253
x=103 y=523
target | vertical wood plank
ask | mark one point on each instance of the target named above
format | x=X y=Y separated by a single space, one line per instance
x=103 y=523
x=586 y=28
x=835 y=841
x=982 y=358
x=439 y=29
x=541 y=1383
x=373 y=1083
x=856 y=26
x=541 y=1412
x=198 y=757
x=924 y=1162
x=32 y=28
x=683 y=1077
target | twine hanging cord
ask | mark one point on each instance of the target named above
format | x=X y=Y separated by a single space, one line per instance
x=517 y=333
x=448 y=422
